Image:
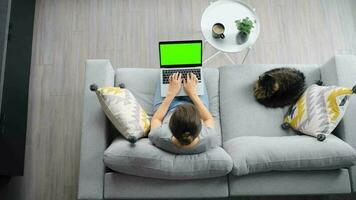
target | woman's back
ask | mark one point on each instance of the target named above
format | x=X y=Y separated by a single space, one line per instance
x=162 y=138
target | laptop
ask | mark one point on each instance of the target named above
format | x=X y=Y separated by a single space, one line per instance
x=183 y=57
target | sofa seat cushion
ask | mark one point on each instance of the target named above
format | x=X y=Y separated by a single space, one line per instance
x=252 y=154
x=144 y=159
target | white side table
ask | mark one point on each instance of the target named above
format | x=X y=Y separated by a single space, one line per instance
x=226 y=12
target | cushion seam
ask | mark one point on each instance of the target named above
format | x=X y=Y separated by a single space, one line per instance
x=116 y=156
x=175 y=172
x=339 y=157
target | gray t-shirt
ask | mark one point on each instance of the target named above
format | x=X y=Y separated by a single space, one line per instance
x=162 y=138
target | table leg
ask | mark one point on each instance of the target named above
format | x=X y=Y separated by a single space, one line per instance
x=230 y=59
x=248 y=51
x=205 y=43
x=211 y=57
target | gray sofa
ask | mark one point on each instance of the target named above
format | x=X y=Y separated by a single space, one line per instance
x=232 y=105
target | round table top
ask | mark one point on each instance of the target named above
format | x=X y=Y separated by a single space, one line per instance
x=226 y=12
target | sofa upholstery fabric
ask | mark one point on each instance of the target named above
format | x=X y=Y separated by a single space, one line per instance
x=241 y=115
x=122 y=186
x=144 y=159
x=341 y=70
x=253 y=154
x=94 y=129
x=291 y=182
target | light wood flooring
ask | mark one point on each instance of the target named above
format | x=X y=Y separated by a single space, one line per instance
x=67 y=32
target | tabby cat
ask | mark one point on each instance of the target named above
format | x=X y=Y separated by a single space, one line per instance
x=279 y=87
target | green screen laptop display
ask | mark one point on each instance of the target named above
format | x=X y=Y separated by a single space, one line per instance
x=175 y=54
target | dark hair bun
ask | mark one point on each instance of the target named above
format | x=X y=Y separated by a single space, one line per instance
x=186 y=139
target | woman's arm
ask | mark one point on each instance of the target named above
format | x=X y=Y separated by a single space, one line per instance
x=175 y=82
x=204 y=113
x=161 y=112
x=190 y=88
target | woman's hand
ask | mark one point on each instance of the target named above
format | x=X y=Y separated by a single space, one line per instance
x=175 y=84
x=190 y=84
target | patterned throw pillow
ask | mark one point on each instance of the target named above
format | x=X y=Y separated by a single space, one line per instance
x=124 y=112
x=319 y=110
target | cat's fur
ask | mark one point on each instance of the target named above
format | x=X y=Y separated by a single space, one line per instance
x=279 y=87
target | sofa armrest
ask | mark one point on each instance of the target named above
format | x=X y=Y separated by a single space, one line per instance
x=94 y=131
x=341 y=70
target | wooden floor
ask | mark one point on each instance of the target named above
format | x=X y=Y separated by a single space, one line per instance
x=67 y=32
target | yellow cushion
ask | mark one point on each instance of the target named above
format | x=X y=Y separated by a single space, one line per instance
x=124 y=112
x=319 y=110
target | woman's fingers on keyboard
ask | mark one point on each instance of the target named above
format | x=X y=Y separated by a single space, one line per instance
x=170 y=78
x=192 y=76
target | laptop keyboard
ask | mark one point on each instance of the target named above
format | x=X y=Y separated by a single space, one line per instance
x=184 y=72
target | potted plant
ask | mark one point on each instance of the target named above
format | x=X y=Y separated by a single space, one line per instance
x=244 y=26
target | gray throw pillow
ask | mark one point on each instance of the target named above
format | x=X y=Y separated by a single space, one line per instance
x=252 y=154
x=144 y=159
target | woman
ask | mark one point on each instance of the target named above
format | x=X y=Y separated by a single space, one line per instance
x=182 y=125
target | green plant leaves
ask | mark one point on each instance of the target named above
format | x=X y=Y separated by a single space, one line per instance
x=245 y=25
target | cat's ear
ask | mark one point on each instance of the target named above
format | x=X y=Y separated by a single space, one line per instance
x=266 y=77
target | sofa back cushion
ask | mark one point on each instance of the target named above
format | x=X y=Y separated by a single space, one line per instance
x=241 y=115
x=142 y=83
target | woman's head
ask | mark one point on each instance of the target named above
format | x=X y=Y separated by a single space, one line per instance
x=185 y=123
